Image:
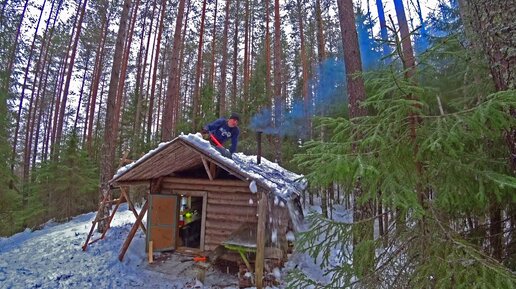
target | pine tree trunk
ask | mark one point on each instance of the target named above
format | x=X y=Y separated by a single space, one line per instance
x=224 y=63
x=34 y=100
x=64 y=99
x=123 y=70
x=235 y=56
x=99 y=65
x=386 y=50
x=20 y=106
x=492 y=22
x=198 y=69
x=320 y=32
x=155 y=70
x=109 y=140
x=14 y=48
x=245 y=90
x=278 y=79
x=173 y=90
x=268 y=91
x=81 y=93
x=492 y=26
x=304 y=66
x=44 y=104
x=495 y=230
x=363 y=260
x=213 y=51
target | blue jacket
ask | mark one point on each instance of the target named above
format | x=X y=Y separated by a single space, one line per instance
x=222 y=132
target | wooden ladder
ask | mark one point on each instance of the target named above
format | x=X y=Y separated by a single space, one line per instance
x=124 y=197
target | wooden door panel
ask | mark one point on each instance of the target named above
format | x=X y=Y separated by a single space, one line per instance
x=162 y=222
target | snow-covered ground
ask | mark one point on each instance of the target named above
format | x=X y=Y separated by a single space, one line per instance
x=53 y=258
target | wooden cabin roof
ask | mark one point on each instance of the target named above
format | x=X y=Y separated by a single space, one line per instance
x=187 y=152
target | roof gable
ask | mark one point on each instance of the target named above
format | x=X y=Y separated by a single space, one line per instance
x=187 y=151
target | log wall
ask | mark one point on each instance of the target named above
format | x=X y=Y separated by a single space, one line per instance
x=228 y=205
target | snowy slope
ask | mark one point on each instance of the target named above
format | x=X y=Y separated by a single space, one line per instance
x=53 y=258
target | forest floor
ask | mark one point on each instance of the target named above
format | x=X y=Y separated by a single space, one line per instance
x=53 y=258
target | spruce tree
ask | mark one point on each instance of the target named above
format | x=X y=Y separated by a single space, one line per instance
x=463 y=154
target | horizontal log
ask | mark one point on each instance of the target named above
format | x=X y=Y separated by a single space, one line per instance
x=219 y=232
x=237 y=203
x=216 y=182
x=203 y=187
x=235 y=218
x=222 y=224
x=233 y=195
x=214 y=239
x=231 y=210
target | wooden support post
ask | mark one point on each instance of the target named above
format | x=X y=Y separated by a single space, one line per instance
x=260 y=240
x=133 y=231
x=131 y=207
x=151 y=252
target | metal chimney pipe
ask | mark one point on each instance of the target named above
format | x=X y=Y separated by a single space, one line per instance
x=259 y=147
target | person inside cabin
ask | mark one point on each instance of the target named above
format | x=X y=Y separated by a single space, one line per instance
x=223 y=129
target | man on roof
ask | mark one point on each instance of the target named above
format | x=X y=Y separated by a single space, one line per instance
x=223 y=129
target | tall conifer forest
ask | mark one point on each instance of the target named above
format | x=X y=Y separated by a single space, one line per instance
x=401 y=111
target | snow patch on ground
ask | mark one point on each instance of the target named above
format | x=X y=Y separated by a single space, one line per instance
x=53 y=258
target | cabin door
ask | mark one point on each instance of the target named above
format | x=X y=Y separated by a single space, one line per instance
x=162 y=222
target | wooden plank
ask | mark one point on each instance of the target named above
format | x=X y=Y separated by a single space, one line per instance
x=207 y=168
x=209 y=188
x=133 y=231
x=260 y=240
x=151 y=252
x=220 y=182
x=203 y=221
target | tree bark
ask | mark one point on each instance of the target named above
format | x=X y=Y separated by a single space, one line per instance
x=224 y=63
x=213 y=51
x=198 y=70
x=15 y=46
x=155 y=70
x=109 y=139
x=99 y=64
x=268 y=91
x=245 y=90
x=362 y=209
x=278 y=80
x=321 y=50
x=60 y=122
x=173 y=90
x=235 y=56
x=307 y=102
x=383 y=28
x=20 y=105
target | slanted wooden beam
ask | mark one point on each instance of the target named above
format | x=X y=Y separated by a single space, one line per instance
x=131 y=207
x=207 y=168
x=133 y=231
x=260 y=240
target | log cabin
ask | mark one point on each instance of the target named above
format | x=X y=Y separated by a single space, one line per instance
x=200 y=201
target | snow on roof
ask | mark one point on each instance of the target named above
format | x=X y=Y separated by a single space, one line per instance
x=283 y=183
